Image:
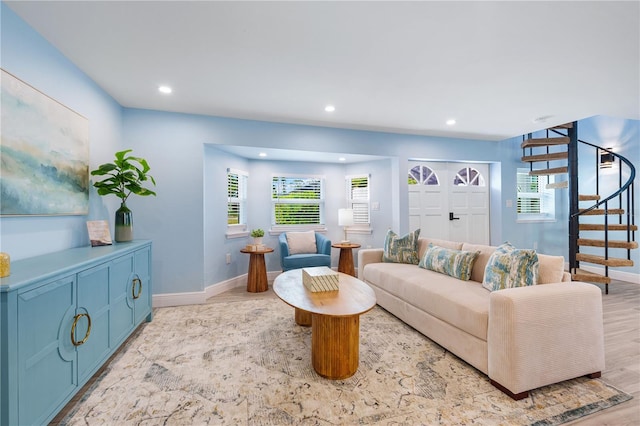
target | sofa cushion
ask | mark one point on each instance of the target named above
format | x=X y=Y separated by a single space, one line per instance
x=509 y=267
x=423 y=244
x=302 y=242
x=455 y=263
x=463 y=304
x=477 y=273
x=401 y=249
x=551 y=269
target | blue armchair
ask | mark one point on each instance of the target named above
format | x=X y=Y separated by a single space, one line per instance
x=305 y=260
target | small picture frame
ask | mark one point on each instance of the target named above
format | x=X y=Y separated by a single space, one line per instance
x=99 y=234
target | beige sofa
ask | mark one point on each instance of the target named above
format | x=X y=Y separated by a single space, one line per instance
x=522 y=338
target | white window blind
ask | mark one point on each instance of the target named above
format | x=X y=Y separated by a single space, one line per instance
x=358 y=198
x=236 y=197
x=297 y=200
x=534 y=202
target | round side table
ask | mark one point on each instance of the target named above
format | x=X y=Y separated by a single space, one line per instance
x=257 y=276
x=345 y=263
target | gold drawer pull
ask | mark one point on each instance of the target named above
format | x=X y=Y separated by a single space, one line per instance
x=73 y=329
x=137 y=281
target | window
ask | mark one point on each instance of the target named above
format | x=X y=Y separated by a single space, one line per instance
x=535 y=201
x=236 y=200
x=423 y=175
x=358 y=198
x=468 y=176
x=297 y=201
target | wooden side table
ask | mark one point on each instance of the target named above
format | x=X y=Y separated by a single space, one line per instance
x=345 y=263
x=257 y=276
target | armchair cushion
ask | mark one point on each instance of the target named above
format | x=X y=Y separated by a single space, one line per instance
x=302 y=242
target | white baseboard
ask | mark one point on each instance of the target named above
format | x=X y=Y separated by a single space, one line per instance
x=221 y=287
x=178 y=299
x=200 y=297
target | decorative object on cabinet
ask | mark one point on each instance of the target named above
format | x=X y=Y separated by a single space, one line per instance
x=99 y=234
x=44 y=155
x=124 y=176
x=5 y=265
x=66 y=314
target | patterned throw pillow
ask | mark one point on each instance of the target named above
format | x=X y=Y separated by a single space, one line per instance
x=455 y=263
x=509 y=267
x=401 y=249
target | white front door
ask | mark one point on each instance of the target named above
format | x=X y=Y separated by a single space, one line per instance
x=450 y=201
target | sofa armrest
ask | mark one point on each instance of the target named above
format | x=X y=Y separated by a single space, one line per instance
x=544 y=334
x=366 y=256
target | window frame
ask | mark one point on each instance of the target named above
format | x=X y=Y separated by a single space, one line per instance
x=279 y=228
x=240 y=229
x=360 y=226
x=423 y=180
x=546 y=197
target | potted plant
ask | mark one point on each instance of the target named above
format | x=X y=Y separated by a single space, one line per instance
x=125 y=176
x=257 y=235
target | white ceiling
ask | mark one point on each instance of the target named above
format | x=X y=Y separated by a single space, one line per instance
x=386 y=66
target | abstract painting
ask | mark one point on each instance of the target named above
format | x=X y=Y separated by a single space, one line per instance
x=44 y=154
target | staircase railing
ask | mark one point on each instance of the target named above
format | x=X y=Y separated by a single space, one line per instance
x=627 y=187
x=625 y=190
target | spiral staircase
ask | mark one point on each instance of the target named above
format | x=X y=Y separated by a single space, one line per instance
x=596 y=219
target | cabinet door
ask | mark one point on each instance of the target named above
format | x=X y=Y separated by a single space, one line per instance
x=93 y=311
x=46 y=356
x=142 y=289
x=121 y=275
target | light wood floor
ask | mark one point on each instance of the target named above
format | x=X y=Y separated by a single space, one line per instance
x=622 y=348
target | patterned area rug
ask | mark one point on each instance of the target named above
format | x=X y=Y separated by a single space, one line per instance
x=248 y=363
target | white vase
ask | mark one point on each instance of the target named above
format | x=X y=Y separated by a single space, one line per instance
x=257 y=240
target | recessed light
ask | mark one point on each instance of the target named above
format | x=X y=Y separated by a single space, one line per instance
x=165 y=89
x=342 y=159
x=451 y=122
x=329 y=108
x=262 y=154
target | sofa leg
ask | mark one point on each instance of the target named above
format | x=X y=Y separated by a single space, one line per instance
x=515 y=396
x=595 y=375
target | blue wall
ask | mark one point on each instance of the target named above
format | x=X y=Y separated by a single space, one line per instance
x=186 y=221
x=32 y=59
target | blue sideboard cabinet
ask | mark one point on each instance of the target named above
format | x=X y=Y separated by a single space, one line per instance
x=62 y=315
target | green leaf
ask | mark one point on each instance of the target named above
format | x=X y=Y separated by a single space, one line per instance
x=124 y=176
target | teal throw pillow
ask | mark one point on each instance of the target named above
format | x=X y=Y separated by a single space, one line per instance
x=509 y=267
x=401 y=249
x=455 y=263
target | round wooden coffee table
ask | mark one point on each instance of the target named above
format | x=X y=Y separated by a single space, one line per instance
x=334 y=318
